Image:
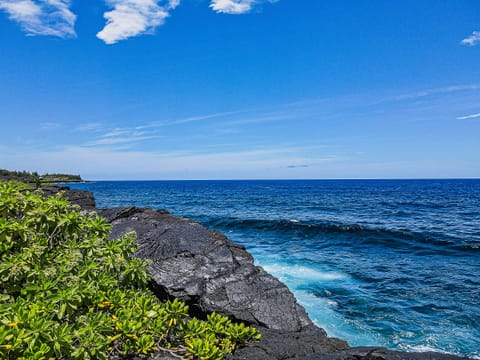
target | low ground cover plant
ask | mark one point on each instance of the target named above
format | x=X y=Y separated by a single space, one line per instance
x=68 y=292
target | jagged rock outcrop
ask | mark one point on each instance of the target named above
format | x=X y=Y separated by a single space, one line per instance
x=207 y=270
x=84 y=199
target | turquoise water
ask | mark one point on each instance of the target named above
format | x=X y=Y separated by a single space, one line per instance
x=375 y=262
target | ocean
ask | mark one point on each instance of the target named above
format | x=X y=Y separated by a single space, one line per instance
x=394 y=263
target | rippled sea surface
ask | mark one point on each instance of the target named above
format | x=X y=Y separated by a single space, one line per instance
x=375 y=262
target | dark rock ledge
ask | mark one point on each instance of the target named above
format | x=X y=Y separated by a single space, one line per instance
x=211 y=273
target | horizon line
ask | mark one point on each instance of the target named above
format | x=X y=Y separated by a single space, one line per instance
x=296 y=179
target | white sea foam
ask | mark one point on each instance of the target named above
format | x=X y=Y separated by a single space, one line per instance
x=300 y=272
x=428 y=348
x=323 y=313
x=322 y=310
x=424 y=348
x=332 y=303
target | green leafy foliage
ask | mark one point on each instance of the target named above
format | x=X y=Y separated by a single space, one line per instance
x=68 y=292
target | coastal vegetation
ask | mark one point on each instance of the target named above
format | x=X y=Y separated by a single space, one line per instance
x=69 y=292
x=36 y=179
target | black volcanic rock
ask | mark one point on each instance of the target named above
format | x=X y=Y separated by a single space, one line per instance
x=281 y=344
x=84 y=199
x=208 y=271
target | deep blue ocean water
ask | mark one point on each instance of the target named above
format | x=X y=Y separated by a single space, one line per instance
x=375 y=262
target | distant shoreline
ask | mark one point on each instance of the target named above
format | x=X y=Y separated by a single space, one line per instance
x=37 y=179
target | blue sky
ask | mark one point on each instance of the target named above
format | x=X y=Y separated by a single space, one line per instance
x=241 y=89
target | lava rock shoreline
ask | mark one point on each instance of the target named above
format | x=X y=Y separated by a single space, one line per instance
x=213 y=274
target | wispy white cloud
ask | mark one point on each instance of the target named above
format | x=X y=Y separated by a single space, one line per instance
x=221 y=120
x=172 y=4
x=121 y=140
x=123 y=136
x=235 y=6
x=93 y=126
x=473 y=116
x=434 y=91
x=186 y=120
x=147 y=131
x=201 y=117
x=50 y=125
x=42 y=17
x=472 y=40
x=232 y=6
x=115 y=132
x=263 y=118
x=131 y=18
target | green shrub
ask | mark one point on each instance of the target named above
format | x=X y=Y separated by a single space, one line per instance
x=68 y=292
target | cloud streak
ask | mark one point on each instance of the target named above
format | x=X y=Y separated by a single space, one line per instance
x=436 y=91
x=186 y=120
x=232 y=6
x=235 y=7
x=131 y=18
x=473 y=116
x=122 y=136
x=472 y=40
x=92 y=126
x=42 y=17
